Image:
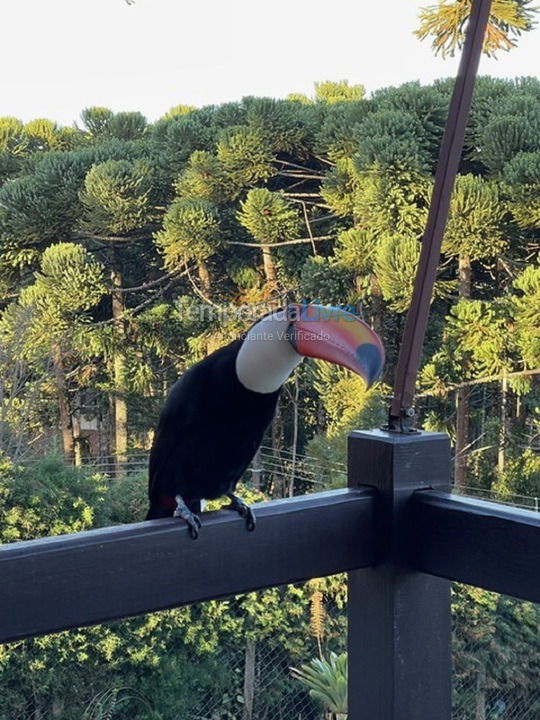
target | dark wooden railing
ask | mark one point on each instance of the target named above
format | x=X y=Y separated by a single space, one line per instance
x=396 y=530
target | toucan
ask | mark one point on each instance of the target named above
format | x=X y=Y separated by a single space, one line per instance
x=215 y=415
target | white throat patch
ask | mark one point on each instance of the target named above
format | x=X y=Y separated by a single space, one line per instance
x=266 y=357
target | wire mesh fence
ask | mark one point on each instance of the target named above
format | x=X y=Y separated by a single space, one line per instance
x=232 y=660
x=298 y=473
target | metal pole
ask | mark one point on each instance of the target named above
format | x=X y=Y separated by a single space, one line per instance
x=401 y=416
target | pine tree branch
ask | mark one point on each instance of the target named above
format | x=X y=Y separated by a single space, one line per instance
x=306 y=218
x=131 y=311
x=145 y=286
x=493 y=378
x=479 y=381
x=313 y=203
x=324 y=160
x=110 y=238
x=299 y=241
x=320 y=174
x=198 y=291
x=294 y=175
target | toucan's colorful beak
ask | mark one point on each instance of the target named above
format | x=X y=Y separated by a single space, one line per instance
x=330 y=333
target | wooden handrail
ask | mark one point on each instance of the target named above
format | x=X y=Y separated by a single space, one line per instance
x=68 y=581
x=477 y=542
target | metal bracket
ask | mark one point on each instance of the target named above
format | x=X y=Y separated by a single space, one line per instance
x=403 y=423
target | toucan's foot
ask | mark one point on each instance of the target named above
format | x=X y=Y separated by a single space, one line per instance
x=192 y=521
x=239 y=506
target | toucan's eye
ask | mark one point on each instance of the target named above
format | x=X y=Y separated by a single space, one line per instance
x=293 y=313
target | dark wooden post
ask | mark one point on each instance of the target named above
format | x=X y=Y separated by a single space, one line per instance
x=399 y=620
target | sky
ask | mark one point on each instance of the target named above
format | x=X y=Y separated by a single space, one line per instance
x=60 y=56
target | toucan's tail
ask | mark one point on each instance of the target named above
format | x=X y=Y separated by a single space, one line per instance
x=155 y=512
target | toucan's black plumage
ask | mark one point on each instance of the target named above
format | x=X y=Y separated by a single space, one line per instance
x=215 y=416
x=208 y=432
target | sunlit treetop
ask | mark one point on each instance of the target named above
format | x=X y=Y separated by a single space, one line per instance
x=445 y=24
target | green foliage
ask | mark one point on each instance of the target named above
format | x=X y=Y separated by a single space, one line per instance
x=127 y=125
x=178 y=110
x=269 y=216
x=392 y=138
x=523 y=168
x=190 y=231
x=347 y=403
x=11 y=134
x=69 y=278
x=496 y=635
x=521 y=476
x=336 y=92
x=326 y=280
x=338 y=187
x=116 y=197
x=356 y=172
x=523 y=175
x=480 y=327
x=526 y=310
x=357 y=175
x=488 y=93
x=41 y=208
x=474 y=225
x=42 y=134
x=392 y=202
x=170 y=657
x=100 y=122
x=96 y=120
x=395 y=265
x=12 y=147
x=445 y=24
x=203 y=178
x=513 y=127
x=278 y=123
x=246 y=156
x=48 y=498
x=327 y=681
x=429 y=105
x=356 y=249
x=105 y=704
x=335 y=135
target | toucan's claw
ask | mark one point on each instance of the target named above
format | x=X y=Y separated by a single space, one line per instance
x=239 y=506
x=194 y=527
x=192 y=521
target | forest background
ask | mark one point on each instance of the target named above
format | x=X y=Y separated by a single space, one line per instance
x=130 y=250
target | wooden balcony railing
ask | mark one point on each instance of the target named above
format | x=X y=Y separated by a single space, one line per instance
x=396 y=530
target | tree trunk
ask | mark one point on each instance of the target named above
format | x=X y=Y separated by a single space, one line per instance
x=481 y=693
x=462 y=437
x=256 y=470
x=63 y=402
x=377 y=305
x=463 y=394
x=119 y=368
x=57 y=708
x=269 y=267
x=278 y=485
x=503 y=431
x=204 y=278
x=77 y=440
x=249 y=679
x=465 y=276
x=295 y=436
